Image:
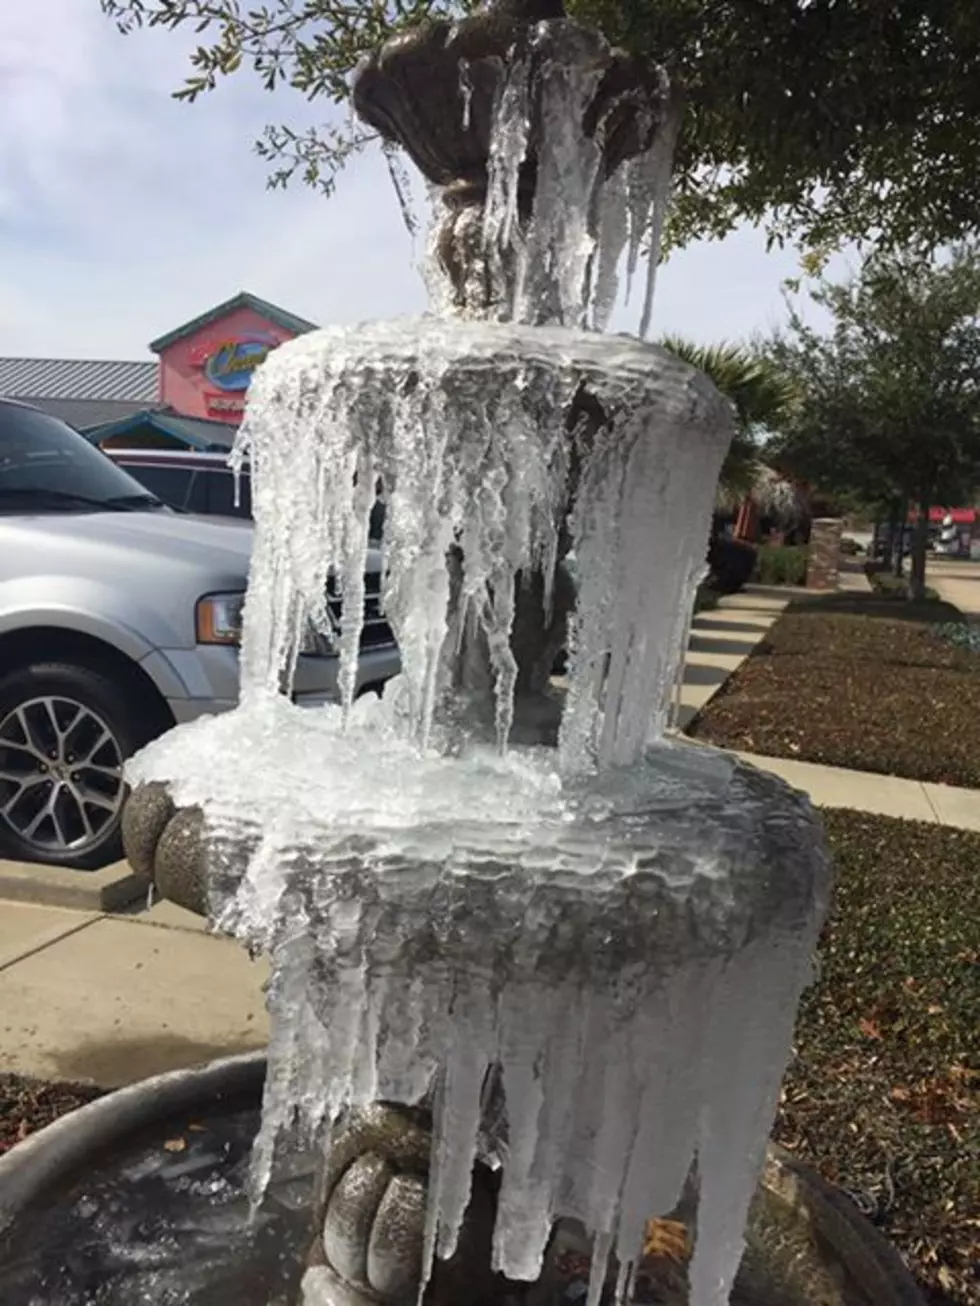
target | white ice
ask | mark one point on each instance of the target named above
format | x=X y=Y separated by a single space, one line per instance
x=465 y=423
x=622 y=926
x=628 y=948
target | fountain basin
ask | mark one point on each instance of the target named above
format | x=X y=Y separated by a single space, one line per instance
x=139 y=1197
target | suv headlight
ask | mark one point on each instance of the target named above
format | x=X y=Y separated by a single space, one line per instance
x=219 y=621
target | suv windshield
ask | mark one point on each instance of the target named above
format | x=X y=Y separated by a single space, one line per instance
x=45 y=465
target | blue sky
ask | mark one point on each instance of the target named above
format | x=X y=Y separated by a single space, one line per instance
x=124 y=212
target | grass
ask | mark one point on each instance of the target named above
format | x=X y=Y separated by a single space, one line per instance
x=857 y=681
x=884 y=1094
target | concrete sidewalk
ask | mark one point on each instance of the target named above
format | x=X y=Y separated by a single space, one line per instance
x=958 y=582
x=881 y=795
x=86 y=996
x=721 y=640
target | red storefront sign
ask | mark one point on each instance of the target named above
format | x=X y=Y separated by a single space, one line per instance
x=224 y=405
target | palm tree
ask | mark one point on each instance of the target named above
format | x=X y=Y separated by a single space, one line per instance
x=760 y=396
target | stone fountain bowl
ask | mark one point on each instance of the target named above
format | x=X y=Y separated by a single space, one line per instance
x=140 y=1197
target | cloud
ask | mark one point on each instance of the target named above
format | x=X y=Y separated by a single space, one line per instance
x=124 y=212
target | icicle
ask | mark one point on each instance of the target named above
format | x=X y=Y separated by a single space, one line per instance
x=466 y=90
x=613 y=230
x=509 y=139
x=554 y=268
x=747 y=1045
x=661 y=175
x=437 y=284
x=402 y=186
x=641 y=176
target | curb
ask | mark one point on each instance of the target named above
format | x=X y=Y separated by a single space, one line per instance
x=56 y=886
x=693 y=697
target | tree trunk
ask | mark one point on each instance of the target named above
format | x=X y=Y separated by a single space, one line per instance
x=898 y=547
x=893 y=544
x=917 y=571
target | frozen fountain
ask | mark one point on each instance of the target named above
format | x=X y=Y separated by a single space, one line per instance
x=535 y=962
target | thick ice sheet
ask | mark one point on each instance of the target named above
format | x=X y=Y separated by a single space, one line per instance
x=628 y=946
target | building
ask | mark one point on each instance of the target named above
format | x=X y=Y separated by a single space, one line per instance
x=192 y=397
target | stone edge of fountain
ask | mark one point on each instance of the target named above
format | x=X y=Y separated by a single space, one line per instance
x=65 y=1147
x=69 y=1143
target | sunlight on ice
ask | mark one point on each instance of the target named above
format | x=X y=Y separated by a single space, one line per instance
x=621 y=926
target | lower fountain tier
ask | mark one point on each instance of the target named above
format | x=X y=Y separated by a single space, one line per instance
x=140 y=1197
x=621 y=950
x=491 y=863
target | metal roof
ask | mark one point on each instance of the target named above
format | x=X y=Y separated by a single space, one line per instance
x=195 y=432
x=213 y=435
x=81 y=378
x=83 y=413
x=288 y=321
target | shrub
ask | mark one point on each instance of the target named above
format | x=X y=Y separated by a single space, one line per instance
x=886 y=584
x=889 y=586
x=730 y=564
x=781 y=564
x=960 y=634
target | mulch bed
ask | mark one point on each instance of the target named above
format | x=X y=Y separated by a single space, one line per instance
x=864 y=683
x=884 y=1094
x=27 y=1105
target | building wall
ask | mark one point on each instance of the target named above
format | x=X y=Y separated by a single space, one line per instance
x=206 y=374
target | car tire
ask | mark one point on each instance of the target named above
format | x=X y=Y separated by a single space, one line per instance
x=65 y=731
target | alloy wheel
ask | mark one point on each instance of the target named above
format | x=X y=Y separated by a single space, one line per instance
x=61 y=775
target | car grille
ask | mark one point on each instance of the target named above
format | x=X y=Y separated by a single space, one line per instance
x=376 y=633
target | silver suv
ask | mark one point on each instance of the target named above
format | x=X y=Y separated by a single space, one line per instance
x=202 y=482
x=118 y=618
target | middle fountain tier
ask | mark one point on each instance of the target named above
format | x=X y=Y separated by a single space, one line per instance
x=583 y=960
x=501 y=448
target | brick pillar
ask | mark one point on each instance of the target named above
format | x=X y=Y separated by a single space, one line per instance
x=823 y=560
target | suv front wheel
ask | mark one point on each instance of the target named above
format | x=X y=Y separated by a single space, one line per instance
x=65 y=732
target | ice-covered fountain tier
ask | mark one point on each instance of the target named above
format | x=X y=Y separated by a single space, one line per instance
x=534 y=964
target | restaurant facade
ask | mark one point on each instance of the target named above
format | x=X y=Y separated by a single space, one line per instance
x=192 y=396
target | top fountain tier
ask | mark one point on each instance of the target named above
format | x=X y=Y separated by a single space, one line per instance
x=553 y=151
x=432 y=91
